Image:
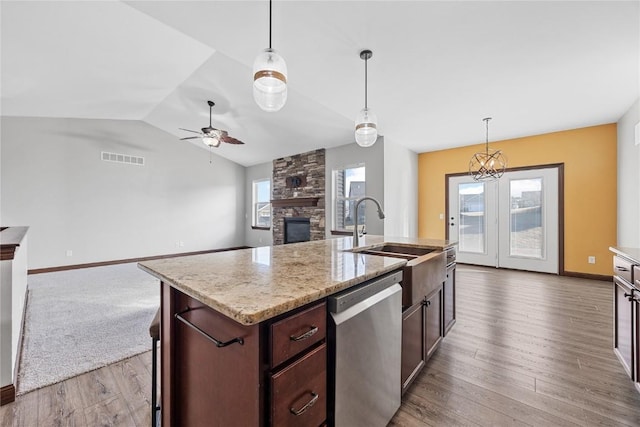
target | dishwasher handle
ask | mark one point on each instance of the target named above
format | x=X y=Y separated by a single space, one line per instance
x=353 y=296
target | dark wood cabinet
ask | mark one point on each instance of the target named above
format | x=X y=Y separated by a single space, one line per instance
x=203 y=384
x=421 y=335
x=433 y=322
x=626 y=320
x=449 y=300
x=413 y=350
x=217 y=372
x=623 y=324
x=299 y=391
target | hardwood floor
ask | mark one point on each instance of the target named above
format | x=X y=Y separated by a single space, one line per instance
x=527 y=349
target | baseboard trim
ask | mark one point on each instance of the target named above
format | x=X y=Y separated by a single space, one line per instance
x=7 y=394
x=602 y=277
x=123 y=261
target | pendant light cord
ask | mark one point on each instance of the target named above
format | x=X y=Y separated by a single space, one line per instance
x=269 y=24
x=365 y=82
x=486 y=121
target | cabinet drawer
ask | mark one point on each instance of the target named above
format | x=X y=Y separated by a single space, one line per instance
x=623 y=268
x=296 y=333
x=636 y=276
x=299 y=391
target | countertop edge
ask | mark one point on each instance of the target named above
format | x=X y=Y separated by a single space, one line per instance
x=254 y=318
x=630 y=253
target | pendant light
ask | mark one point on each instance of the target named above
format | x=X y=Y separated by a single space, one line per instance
x=366 y=121
x=270 y=78
x=489 y=164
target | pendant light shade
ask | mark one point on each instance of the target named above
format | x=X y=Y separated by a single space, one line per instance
x=366 y=121
x=489 y=164
x=270 y=77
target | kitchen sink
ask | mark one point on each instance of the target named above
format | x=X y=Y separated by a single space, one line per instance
x=398 y=250
x=424 y=271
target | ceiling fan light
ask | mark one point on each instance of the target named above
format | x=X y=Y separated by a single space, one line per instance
x=211 y=141
x=366 y=128
x=270 y=80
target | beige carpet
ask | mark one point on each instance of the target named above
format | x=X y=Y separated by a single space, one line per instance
x=80 y=320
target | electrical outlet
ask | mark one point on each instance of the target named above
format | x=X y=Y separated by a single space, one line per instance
x=181 y=244
x=441 y=216
x=592 y=260
x=69 y=252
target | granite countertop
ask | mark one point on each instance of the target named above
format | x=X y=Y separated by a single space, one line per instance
x=631 y=253
x=253 y=285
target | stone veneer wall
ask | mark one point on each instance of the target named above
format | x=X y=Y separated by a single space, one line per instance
x=310 y=165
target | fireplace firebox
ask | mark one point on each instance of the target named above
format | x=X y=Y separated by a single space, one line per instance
x=297 y=229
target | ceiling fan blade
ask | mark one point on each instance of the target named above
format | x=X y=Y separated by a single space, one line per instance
x=230 y=140
x=189 y=130
x=190 y=137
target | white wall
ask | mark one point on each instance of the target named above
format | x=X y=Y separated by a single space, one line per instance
x=255 y=238
x=629 y=179
x=373 y=158
x=53 y=180
x=400 y=191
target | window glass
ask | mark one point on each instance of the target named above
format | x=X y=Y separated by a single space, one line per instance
x=348 y=186
x=262 y=203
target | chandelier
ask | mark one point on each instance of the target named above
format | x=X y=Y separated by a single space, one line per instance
x=488 y=164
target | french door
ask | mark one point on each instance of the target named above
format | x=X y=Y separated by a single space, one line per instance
x=512 y=222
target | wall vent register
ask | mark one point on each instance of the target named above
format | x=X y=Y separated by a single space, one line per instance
x=122 y=158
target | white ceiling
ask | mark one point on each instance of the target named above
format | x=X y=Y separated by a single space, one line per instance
x=437 y=69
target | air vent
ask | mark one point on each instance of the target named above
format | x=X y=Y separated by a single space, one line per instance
x=122 y=158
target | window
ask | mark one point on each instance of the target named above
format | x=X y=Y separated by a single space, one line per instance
x=262 y=203
x=348 y=186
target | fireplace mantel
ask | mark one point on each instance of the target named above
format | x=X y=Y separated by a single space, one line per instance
x=295 y=202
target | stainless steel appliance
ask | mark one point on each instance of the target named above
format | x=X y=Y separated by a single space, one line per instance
x=366 y=327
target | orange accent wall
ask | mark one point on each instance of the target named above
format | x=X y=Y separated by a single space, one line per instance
x=590 y=188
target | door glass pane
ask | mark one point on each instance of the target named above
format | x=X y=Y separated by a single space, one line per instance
x=526 y=218
x=471 y=217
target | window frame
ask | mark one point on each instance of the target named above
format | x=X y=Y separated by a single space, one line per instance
x=335 y=199
x=254 y=204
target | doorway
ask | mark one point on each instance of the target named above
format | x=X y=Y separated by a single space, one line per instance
x=513 y=222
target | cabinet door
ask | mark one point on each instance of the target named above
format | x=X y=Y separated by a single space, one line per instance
x=433 y=322
x=636 y=337
x=413 y=350
x=449 y=301
x=299 y=391
x=623 y=322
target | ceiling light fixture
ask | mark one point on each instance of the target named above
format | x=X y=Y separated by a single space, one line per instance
x=366 y=121
x=489 y=164
x=270 y=78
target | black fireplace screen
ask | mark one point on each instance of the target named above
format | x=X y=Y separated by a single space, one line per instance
x=297 y=230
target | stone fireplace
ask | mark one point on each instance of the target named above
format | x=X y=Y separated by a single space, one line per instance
x=298 y=192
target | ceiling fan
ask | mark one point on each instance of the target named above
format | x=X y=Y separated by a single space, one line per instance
x=211 y=136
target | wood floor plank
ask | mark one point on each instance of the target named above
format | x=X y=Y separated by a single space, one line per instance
x=110 y=412
x=97 y=386
x=25 y=411
x=134 y=382
x=61 y=405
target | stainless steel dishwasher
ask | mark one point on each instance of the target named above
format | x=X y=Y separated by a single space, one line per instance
x=366 y=329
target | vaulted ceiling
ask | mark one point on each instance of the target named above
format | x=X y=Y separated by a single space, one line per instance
x=437 y=69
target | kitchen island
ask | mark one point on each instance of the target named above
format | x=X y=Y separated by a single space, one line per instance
x=224 y=361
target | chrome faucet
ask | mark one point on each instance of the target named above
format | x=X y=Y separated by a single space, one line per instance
x=356 y=235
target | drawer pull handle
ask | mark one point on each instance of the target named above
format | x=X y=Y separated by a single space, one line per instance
x=218 y=343
x=306 y=335
x=298 y=412
x=621 y=268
